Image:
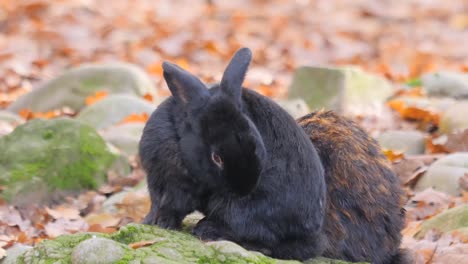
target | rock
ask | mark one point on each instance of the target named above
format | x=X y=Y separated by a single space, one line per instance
x=13 y=253
x=98 y=250
x=5 y=128
x=444 y=174
x=295 y=107
x=454 y=119
x=42 y=158
x=158 y=246
x=450 y=84
x=411 y=142
x=10 y=117
x=8 y=121
x=113 y=110
x=450 y=220
x=125 y=137
x=73 y=86
x=346 y=90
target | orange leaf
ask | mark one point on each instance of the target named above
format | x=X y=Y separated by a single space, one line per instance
x=155 y=69
x=434 y=147
x=183 y=63
x=135 y=118
x=413 y=92
x=100 y=229
x=26 y=114
x=99 y=95
x=392 y=155
x=148 y=97
x=143 y=243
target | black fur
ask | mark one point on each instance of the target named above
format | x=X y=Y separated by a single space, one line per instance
x=268 y=193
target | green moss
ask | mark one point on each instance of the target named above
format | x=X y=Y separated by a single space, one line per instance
x=63 y=153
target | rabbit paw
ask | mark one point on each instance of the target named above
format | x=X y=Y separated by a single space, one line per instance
x=209 y=230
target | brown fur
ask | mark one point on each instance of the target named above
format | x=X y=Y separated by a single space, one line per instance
x=364 y=214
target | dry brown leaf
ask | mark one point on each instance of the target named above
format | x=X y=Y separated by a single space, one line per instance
x=434 y=145
x=409 y=169
x=109 y=189
x=143 y=243
x=63 y=212
x=424 y=116
x=392 y=155
x=155 y=69
x=99 y=95
x=457 y=141
x=100 y=229
x=463 y=181
x=103 y=219
x=412 y=229
x=426 y=204
x=135 y=118
x=63 y=226
x=148 y=97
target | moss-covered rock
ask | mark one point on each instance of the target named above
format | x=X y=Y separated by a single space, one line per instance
x=346 y=90
x=73 y=86
x=136 y=243
x=43 y=157
x=453 y=219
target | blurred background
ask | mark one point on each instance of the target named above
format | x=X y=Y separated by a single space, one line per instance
x=399 y=39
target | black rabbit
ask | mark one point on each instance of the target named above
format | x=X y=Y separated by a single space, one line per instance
x=242 y=161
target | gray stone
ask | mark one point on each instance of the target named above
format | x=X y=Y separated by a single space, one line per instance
x=346 y=90
x=452 y=84
x=98 y=250
x=452 y=219
x=295 y=107
x=5 y=128
x=13 y=253
x=73 y=86
x=125 y=137
x=43 y=157
x=455 y=118
x=410 y=142
x=444 y=174
x=10 y=117
x=113 y=110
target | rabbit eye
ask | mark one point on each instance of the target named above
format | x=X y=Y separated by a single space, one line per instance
x=217 y=159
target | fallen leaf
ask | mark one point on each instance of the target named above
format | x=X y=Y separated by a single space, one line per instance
x=426 y=204
x=103 y=219
x=463 y=181
x=148 y=97
x=392 y=155
x=63 y=212
x=63 y=226
x=99 y=95
x=409 y=169
x=412 y=229
x=135 y=118
x=143 y=243
x=100 y=229
x=457 y=141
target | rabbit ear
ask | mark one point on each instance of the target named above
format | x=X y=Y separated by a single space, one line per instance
x=234 y=74
x=184 y=86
